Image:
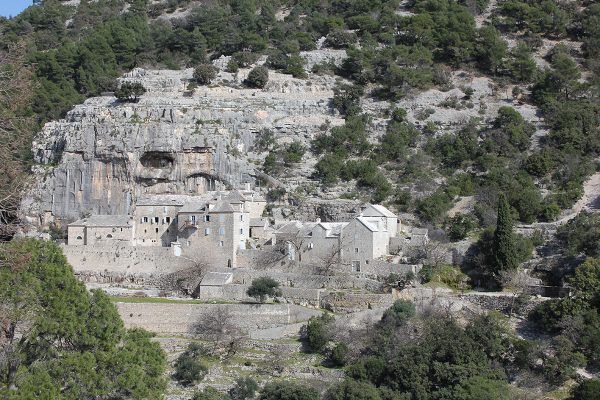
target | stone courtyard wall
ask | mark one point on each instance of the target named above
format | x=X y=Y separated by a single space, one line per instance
x=124 y=260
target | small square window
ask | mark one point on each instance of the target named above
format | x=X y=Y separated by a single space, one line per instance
x=156 y=219
x=207 y=218
x=242 y=217
x=206 y=231
x=168 y=220
x=145 y=220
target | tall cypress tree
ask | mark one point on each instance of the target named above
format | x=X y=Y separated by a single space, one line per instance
x=505 y=254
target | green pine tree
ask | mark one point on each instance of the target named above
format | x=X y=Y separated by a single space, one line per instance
x=505 y=254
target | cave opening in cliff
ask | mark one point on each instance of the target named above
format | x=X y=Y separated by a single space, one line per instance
x=157 y=159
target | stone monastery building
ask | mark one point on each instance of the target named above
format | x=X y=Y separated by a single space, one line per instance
x=213 y=227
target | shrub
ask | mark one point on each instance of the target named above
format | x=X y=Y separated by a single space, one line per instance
x=293 y=153
x=589 y=389
x=244 y=389
x=258 y=77
x=130 y=91
x=189 y=366
x=459 y=226
x=398 y=313
x=317 y=333
x=205 y=73
x=262 y=288
x=339 y=355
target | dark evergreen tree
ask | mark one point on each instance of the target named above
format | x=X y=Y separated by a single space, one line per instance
x=505 y=254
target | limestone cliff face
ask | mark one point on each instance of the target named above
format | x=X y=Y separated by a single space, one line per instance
x=105 y=154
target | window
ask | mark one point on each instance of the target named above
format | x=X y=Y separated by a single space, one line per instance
x=145 y=220
x=241 y=217
x=221 y=231
x=156 y=230
x=109 y=236
x=168 y=220
x=189 y=243
x=165 y=210
x=145 y=231
x=356 y=266
x=156 y=219
x=193 y=219
x=121 y=229
x=207 y=218
x=241 y=231
x=79 y=238
x=206 y=231
x=311 y=245
x=221 y=218
x=356 y=249
x=221 y=243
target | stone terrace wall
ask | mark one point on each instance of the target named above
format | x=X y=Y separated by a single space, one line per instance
x=300 y=280
x=179 y=319
x=352 y=302
x=300 y=296
x=382 y=268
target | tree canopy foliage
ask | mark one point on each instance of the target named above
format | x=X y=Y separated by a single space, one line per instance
x=60 y=341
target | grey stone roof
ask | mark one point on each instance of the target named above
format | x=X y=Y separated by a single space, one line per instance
x=193 y=207
x=222 y=207
x=107 y=221
x=367 y=224
x=333 y=228
x=216 y=279
x=375 y=210
x=257 y=222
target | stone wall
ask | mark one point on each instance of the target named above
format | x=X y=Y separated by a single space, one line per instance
x=300 y=279
x=233 y=292
x=140 y=263
x=352 y=302
x=180 y=319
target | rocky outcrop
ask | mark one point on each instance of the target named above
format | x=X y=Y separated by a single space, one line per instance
x=105 y=154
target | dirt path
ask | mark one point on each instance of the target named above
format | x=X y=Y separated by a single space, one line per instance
x=590 y=201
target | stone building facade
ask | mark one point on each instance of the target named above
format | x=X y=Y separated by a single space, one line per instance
x=101 y=229
x=209 y=228
x=156 y=220
x=352 y=244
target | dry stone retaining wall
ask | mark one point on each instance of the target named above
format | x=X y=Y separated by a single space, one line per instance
x=180 y=319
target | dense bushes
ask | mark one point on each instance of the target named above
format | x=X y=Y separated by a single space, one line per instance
x=263 y=288
x=258 y=77
x=205 y=73
x=190 y=366
x=130 y=91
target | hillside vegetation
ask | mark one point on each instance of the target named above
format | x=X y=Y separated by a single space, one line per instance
x=545 y=55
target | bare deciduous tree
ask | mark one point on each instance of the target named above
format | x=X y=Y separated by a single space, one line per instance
x=16 y=131
x=519 y=282
x=219 y=326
